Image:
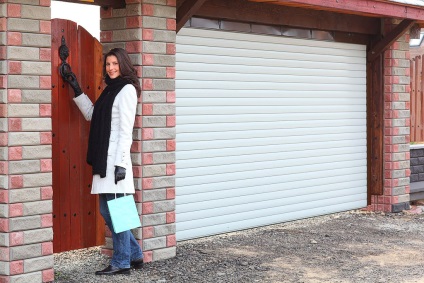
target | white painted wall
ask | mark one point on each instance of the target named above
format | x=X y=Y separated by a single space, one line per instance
x=84 y=15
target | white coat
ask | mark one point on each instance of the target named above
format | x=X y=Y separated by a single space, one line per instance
x=122 y=123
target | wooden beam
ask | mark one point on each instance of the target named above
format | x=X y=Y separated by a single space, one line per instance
x=186 y=11
x=375 y=127
x=389 y=39
x=365 y=7
x=244 y=11
x=117 y=4
x=414 y=32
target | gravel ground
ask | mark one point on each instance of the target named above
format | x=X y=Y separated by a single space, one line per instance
x=346 y=247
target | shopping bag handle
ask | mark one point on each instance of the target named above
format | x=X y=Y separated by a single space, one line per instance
x=124 y=195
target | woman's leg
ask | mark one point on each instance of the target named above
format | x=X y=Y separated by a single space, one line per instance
x=136 y=251
x=122 y=250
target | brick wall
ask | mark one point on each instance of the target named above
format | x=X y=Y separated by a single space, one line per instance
x=26 y=250
x=146 y=29
x=417 y=165
x=396 y=127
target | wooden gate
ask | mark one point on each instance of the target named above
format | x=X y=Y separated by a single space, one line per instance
x=77 y=222
x=417 y=101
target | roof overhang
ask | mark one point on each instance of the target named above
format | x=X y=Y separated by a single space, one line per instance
x=103 y=3
x=401 y=9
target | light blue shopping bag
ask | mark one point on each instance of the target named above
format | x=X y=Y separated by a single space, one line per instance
x=123 y=213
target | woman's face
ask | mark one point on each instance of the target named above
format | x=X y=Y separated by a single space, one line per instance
x=112 y=67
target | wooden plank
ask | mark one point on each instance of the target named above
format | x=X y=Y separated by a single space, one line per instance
x=56 y=87
x=389 y=39
x=419 y=99
x=351 y=38
x=98 y=69
x=375 y=125
x=64 y=143
x=362 y=7
x=73 y=238
x=78 y=152
x=413 y=103
x=186 y=10
x=117 y=4
x=88 y=201
x=239 y=10
x=84 y=192
x=98 y=88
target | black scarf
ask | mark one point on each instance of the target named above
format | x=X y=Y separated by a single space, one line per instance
x=98 y=141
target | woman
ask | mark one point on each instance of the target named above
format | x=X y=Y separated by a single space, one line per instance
x=112 y=120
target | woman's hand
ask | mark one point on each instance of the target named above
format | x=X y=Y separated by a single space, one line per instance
x=72 y=80
x=119 y=174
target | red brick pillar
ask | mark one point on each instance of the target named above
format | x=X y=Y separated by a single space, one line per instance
x=158 y=132
x=396 y=127
x=147 y=31
x=26 y=249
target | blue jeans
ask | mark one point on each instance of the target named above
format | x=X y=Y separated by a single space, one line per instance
x=125 y=246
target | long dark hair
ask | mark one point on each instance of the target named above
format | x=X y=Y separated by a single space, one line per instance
x=125 y=66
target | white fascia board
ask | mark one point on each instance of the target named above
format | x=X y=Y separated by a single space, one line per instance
x=409 y=2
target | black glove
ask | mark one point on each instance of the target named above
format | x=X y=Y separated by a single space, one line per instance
x=119 y=174
x=72 y=80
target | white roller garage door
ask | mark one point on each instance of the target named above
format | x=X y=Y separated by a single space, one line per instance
x=269 y=129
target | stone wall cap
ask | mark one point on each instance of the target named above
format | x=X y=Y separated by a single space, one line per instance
x=416 y=146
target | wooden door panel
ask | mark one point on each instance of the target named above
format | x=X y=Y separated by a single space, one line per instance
x=74 y=148
x=61 y=130
x=77 y=222
x=98 y=87
x=91 y=84
x=56 y=27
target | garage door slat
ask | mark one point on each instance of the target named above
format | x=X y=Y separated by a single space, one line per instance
x=272 y=198
x=347 y=138
x=220 y=162
x=185 y=201
x=259 y=209
x=286 y=213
